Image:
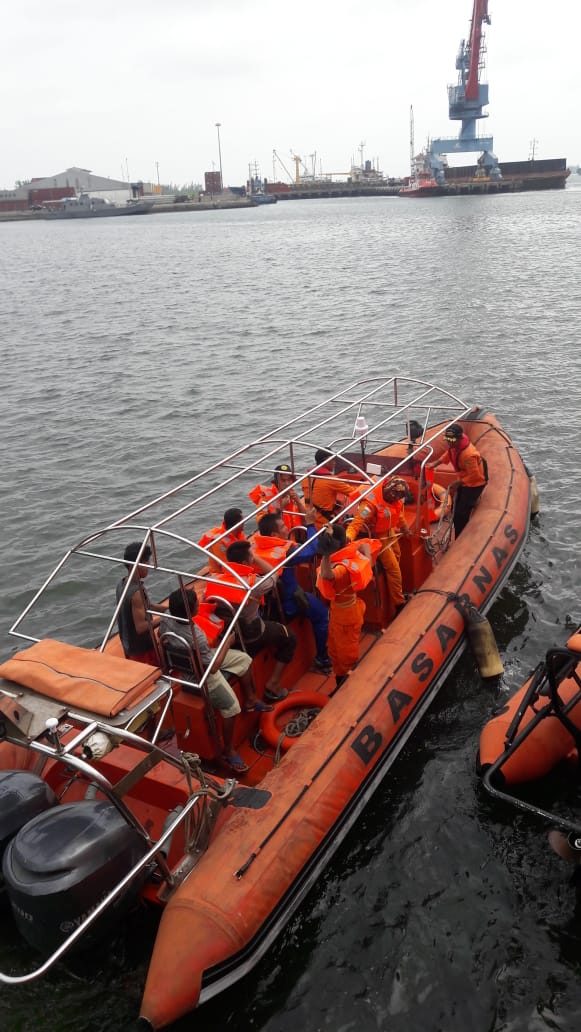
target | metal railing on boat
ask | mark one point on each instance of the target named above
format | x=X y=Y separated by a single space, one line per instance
x=378 y=403
x=153 y=855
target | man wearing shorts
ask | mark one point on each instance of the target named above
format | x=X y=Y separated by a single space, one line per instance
x=183 y=606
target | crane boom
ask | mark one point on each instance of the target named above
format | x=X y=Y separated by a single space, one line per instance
x=281 y=162
x=479 y=15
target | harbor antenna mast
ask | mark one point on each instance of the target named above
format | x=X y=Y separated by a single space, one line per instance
x=466 y=101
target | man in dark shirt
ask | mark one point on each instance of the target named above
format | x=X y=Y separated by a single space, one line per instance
x=134 y=622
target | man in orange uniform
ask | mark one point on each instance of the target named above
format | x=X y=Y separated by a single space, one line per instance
x=218 y=539
x=291 y=506
x=322 y=488
x=339 y=579
x=472 y=473
x=381 y=515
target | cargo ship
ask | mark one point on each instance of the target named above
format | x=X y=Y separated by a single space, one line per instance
x=545 y=174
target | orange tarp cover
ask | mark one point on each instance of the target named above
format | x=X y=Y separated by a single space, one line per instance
x=79 y=677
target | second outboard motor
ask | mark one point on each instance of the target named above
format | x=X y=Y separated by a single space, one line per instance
x=23 y=795
x=63 y=863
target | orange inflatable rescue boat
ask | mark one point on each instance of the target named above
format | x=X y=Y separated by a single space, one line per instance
x=540 y=725
x=123 y=782
x=532 y=735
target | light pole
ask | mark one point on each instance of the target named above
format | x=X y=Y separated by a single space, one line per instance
x=218 y=124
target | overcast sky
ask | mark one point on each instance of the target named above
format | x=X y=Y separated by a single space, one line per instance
x=112 y=85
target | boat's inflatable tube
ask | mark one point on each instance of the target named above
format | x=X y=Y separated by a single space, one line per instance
x=271 y=724
x=547 y=744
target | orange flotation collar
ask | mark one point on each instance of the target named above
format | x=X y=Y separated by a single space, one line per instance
x=269 y=722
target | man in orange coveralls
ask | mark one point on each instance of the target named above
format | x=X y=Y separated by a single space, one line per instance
x=472 y=473
x=338 y=581
x=322 y=489
x=380 y=515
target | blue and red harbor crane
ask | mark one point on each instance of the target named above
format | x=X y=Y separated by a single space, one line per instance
x=466 y=103
x=430 y=174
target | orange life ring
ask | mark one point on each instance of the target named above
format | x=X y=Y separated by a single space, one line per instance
x=438 y=495
x=269 y=728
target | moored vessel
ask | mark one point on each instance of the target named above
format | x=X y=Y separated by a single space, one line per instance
x=132 y=752
x=422 y=186
x=83 y=206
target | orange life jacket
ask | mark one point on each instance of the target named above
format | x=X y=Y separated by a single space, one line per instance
x=271 y=549
x=219 y=547
x=291 y=514
x=208 y=622
x=360 y=568
x=397 y=520
x=229 y=587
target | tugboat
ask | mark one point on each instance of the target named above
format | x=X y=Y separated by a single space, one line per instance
x=257 y=187
x=114 y=782
x=422 y=182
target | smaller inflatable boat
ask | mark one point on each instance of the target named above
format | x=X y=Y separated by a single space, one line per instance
x=535 y=732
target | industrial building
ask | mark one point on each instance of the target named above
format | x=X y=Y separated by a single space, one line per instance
x=73 y=181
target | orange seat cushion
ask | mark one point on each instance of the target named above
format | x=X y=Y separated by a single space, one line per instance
x=84 y=678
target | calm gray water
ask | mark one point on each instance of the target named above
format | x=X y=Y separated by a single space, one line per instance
x=135 y=351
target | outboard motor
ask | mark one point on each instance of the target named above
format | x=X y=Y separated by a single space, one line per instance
x=63 y=863
x=23 y=795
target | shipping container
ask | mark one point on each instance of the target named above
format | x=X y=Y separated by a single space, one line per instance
x=212 y=182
